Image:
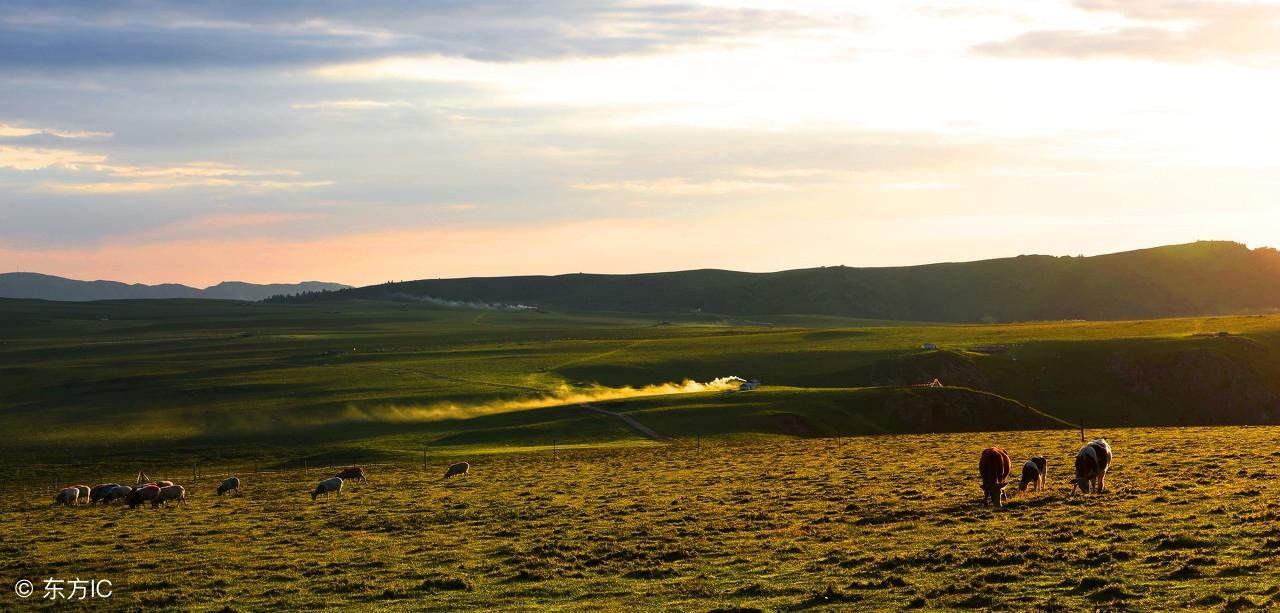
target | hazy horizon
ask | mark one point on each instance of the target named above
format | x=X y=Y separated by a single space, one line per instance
x=176 y=143
x=639 y=271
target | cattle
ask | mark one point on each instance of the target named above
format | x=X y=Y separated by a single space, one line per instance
x=460 y=468
x=99 y=491
x=82 y=495
x=352 y=473
x=163 y=483
x=994 y=467
x=333 y=484
x=141 y=494
x=1035 y=471
x=1092 y=463
x=67 y=496
x=229 y=485
x=170 y=492
x=119 y=492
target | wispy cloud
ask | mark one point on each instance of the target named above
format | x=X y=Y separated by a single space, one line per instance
x=919 y=185
x=349 y=105
x=1160 y=30
x=682 y=186
x=72 y=35
x=29 y=158
x=12 y=131
x=93 y=165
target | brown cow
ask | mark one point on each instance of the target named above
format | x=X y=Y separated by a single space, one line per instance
x=994 y=467
x=351 y=473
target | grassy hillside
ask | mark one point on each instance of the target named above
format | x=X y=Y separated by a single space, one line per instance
x=872 y=523
x=178 y=382
x=1203 y=278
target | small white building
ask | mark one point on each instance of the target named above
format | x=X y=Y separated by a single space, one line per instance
x=929 y=346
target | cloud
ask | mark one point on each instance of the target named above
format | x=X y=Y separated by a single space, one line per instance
x=919 y=185
x=12 y=131
x=1172 y=31
x=348 y=105
x=195 y=174
x=682 y=186
x=28 y=158
x=80 y=34
x=123 y=187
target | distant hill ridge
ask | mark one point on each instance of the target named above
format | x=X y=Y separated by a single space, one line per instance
x=47 y=287
x=1201 y=278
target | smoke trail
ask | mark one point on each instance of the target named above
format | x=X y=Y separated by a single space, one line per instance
x=564 y=395
x=458 y=304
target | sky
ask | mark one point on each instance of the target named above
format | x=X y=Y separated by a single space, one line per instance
x=361 y=142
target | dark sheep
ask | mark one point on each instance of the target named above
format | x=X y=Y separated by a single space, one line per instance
x=460 y=468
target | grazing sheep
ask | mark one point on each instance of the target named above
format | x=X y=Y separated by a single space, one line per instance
x=1035 y=471
x=100 y=490
x=170 y=492
x=67 y=496
x=1091 y=465
x=229 y=485
x=82 y=496
x=163 y=483
x=460 y=468
x=352 y=473
x=994 y=467
x=119 y=492
x=145 y=493
x=333 y=484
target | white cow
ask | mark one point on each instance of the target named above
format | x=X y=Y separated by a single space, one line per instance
x=1091 y=465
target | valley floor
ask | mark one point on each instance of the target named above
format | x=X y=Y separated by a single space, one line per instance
x=873 y=523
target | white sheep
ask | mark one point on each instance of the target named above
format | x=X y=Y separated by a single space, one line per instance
x=327 y=486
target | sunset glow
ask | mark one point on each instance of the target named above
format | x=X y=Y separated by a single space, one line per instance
x=384 y=141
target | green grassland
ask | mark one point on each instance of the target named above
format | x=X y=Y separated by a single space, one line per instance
x=855 y=523
x=179 y=382
x=837 y=485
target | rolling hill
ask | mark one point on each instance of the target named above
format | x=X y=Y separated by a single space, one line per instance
x=36 y=286
x=1202 y=278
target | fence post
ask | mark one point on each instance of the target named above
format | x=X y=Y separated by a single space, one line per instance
x=1081 y=429
x=553 y=450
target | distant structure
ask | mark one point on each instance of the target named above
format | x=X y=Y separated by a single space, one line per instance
x=929 y=346
x=749 y=385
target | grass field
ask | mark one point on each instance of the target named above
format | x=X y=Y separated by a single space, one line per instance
x=95 y=385
x=865 y=523
x=838 y=484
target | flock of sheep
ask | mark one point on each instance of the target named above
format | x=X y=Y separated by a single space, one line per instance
x=1092 y=462
x=160 y=493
